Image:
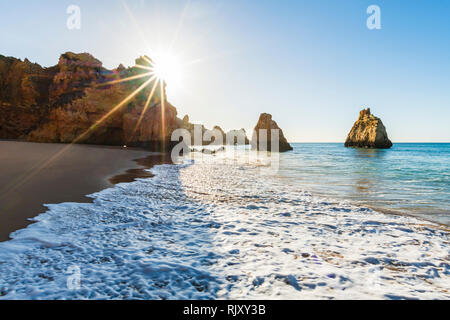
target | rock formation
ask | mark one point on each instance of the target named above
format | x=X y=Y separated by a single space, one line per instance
x=219 y=129
x=262 y=140
x=74 y=101
x=23 y=96
x=205 y=136
x=219 y=136
x=368 y=132
x=237 y=137
x=80 y=101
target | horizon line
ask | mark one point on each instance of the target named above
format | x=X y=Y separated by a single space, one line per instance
x=443 y=142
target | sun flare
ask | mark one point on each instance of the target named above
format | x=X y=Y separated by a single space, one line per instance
x=168 y=69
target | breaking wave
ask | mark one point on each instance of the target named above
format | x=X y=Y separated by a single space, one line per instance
x=222 y=230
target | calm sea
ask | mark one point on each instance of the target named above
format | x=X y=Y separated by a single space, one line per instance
x=412 y=178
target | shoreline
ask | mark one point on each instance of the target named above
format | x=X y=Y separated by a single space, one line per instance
x=386 y=211
x=410 y=179
x=133 y=234
x=36 y=174
x=87 y=169
x=435 y=223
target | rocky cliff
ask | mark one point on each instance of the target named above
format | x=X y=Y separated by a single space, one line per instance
x=75 y=101
x=23 y=96
x=262 y=137
x=80 y=101
x=368 y=132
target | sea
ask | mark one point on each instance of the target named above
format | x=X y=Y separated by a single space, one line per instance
x=409 y=178
x=323 y=222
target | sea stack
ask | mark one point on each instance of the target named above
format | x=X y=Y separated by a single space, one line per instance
x=237 y=137
x=264 y=142
x=368 y=132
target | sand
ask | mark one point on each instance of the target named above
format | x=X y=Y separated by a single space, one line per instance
x=34 y=174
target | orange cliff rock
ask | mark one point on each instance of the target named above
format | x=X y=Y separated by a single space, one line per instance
x=66 y=103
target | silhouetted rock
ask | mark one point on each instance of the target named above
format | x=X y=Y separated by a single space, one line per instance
x=237 y=137
x=368 y=132
x=263 y=140
x=219 y=129
x=200 y=135
x=218 y=136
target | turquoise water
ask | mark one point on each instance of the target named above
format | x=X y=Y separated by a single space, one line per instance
x=411 y=178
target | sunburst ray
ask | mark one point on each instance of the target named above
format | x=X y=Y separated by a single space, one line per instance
x=147 y=103
x=152 y=64
x=152 y=77
x=118 y=106
x=180 y=24
x=144 y=67
x=35 y=170
x=163 y=109
x=138 y=76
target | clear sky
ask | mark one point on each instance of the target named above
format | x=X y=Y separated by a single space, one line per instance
x=311 y=64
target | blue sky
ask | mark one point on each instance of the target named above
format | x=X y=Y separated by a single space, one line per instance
x=312 y=64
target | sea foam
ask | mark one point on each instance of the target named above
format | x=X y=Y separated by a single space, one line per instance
x=222 y=230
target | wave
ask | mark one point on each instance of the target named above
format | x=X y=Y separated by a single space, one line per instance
x=221 y=230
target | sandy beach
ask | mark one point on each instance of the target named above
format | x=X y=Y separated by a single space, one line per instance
x=34 y=174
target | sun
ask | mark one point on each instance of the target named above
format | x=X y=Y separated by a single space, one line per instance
x=168 y=69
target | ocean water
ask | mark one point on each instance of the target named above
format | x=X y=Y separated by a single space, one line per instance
x=213 y=227
x=410 y=178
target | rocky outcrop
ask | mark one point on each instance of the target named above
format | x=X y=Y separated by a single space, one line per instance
x=237 y=137
x=80 y=101
x=18 y=122
x=23 y=96
x=204 y=136
x=219 y=130
x=368 y=132
x=23 y=83
x=76 y=73
x=215 y=136
x=263 y=139
x=74 y=101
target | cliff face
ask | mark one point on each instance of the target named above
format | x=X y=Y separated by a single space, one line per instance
x=23 y=83
x=73 y=102
x=80 y=101
x=264 y=142
x=368 y=132
x=23 y=96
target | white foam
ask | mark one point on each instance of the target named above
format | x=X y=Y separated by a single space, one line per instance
x=222 y=230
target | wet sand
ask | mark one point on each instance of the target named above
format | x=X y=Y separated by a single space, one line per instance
x=34 y=174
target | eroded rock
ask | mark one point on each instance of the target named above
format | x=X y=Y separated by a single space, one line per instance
x=75 y=101
x=237 y=137
x=368 y=132
x=264 y=140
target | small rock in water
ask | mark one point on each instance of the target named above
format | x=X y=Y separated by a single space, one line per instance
x=264 y=143
x=368 y=132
